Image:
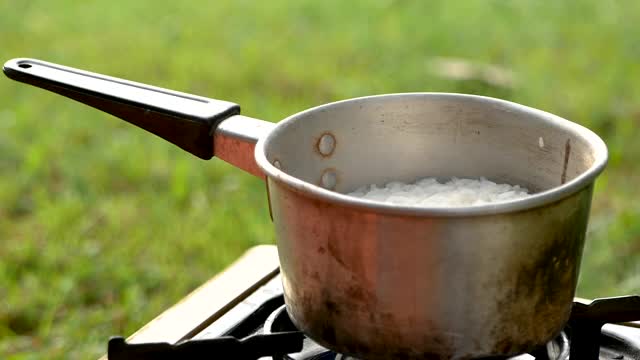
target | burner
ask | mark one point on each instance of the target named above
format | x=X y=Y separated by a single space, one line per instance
x=279 y=322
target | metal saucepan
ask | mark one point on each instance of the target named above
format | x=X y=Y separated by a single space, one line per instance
x=383 y=281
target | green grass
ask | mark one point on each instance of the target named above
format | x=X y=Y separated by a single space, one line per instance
x=102 y=226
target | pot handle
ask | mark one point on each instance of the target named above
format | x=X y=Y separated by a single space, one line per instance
x=185 y=120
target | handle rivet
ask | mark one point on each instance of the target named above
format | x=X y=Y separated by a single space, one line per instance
x=326 y=144
x=329 y=179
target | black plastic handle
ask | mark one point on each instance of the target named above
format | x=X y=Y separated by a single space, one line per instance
x=185 y=120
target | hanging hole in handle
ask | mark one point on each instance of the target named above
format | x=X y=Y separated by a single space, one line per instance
x=24 y=66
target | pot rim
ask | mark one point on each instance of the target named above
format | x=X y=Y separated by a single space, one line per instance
x=535 y=200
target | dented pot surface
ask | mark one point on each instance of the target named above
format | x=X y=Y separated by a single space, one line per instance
x=378 y=280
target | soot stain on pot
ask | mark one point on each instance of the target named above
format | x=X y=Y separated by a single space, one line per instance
x=332 y=307
x=434 y=346
x=546 y=284
x=331 y=311
x=358 y=294
x=543 y=277
x=438 y=346
x=567 y=153
x=504 y=346
x=335 y=253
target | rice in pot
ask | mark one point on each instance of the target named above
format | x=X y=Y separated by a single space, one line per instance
x=429 y=192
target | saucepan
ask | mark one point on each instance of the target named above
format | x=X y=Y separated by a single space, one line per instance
x=377 y=280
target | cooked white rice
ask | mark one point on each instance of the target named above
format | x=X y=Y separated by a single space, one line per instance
x=429 y=192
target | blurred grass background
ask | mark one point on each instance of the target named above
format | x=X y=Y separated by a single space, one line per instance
x=102 y=225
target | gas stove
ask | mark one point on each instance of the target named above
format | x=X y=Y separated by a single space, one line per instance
x=240 y=314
